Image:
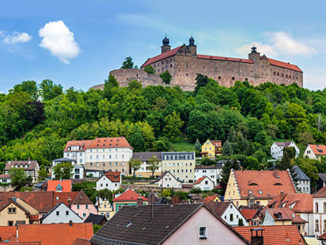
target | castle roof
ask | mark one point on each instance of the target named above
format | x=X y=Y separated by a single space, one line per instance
x=159 y=57
x=284 y=65
x=202 y=56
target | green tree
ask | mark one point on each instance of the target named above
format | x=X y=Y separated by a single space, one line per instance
x=288 y=156
x=42 y=174
x=49 y=90
x=149 y=69
x=63 y=170
x=201 y=81
x=134 y=165
x=166 y=77
x=19 y=178
x=173 y=126
x=127 y=63
x=153 y=164
x=29 y=87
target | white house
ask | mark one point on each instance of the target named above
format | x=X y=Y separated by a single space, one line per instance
x=277 y=149
x=5 y=179
x=144 y=157
x=228 y=212
x=303 y=181
x=213 y=172
x=110 y=181
x=167 y=180
x=77 y=172
x=204 y=184
x=75 y=149
x=319 y=212
x=315 y=151
x=61 y=214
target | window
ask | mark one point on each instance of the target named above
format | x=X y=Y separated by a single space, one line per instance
x=231 y=217
x=67 y=212
x=316 y=225
x=10 y=223
x=57 y=213
x=77 y=206
x=324 y=225
x=84 y=215
x=324 y=207
x=11 y=210
x=86 y=206
x=202 y=233
x=316 y=207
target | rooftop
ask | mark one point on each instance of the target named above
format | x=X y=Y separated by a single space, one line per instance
x=113 y=176
x=318 y=149
x=298 y=202
x=129 y=195
x=65 y=184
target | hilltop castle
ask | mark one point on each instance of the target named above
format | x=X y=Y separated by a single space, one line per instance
x=184 y=63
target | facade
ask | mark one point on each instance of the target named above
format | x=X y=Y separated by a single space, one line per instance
x=31 y=168
x=213 y=172
x=144 y=170
x=82 y=205
x=110 y=181
x=247 y=187
x=180 y=164
x=180 y=224
x=204 y=184
x=167 y=180
x=277 y=149
x=253 y=216
x=302 y=180
x=319 y=212
x=228 y=212
x=77 y=171
x=183 y=63
x=315 y=151
x=104 y=208
x=61 y=214
x=211 y=148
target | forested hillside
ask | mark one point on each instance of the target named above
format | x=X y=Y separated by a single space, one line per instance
x=36 y=120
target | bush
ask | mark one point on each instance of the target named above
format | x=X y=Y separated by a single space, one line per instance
x=166 y=77
x=149 y=69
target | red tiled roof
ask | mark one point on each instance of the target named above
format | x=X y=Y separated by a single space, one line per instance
x=263 y=184
x=318 y=149
x=217 y=143
x=200 y=180
x=300 y=202
x=4 y=176
x=113 y=176
x=161 y=56
x=27 y=165
x=81 y=241
x=129 y=195
x=54 y=234
x=274 y=235
x=284 y=65
x=65 y=184
x=112 y=142
x=65 y=197
x=249 y=213
x=81 y=198
x=320 y=193
x=211 y=198
x=82 y=143
x=202 y=56
x=218 y=208
x=287 y=214
x=7 y=232
x=206 y=167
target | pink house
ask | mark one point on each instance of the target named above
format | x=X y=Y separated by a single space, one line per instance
x=83 y=206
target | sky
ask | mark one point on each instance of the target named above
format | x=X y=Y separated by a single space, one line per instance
x=76 y=43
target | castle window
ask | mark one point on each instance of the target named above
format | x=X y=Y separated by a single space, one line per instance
x=286 y=75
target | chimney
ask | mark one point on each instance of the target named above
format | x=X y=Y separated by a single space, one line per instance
x=257 y=237
x=70 y=223
x=139 y=201
x=282 y=195
x=69 y=202
x=275 y=174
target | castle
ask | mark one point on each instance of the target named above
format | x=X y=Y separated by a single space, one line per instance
x=184 y=64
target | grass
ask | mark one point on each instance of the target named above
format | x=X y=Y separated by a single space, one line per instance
x=182 y=146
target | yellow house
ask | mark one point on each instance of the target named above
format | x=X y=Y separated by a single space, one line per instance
x=105 y=209
x=247 y=187
x=16 y=211
x=211 y=149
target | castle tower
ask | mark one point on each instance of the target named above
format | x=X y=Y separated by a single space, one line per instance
x=192 y=47
x=254 y=55
x=166 y=45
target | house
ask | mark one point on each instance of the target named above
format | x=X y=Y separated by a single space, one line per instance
x=48 y=234
x=76 y=150
x=277 y=149
x=104 y=208
x=213 y=172
x=144 y=170
x=315 y=151
x=96 y=219
x=77 y=171
x=167 y=224
x=180 y=164
x=82 y=205
x=246 y=187
x=5 y=179
x=128 y=198
x=300 y=203
x=31 y=168
x=211 y=148
x=110 y=181
x=228 y=212
x=16 y=212
x=284 y=216
x=319 y=212
x=253 y=216
x=213 y=198
x=167 y=180
x=272 y=235
x=302 y=180
x=61 y=214
x=59 y=185
x=204 y=184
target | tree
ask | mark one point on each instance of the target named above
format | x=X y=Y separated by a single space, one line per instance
x=134 y=165
x=201 y=81
x=288 y=156
x=173 y=126
x=149 y=69
x=29 y=87
x=49 y=90
x=137 y=141
x=127 y=63
x=63 y=170
x=109 y=85
x=19 y=178
x=153 y=164
x=166 y=77
x=207 y=161
x=42 y=174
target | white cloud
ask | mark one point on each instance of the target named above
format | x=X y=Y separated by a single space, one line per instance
x=278 y=44
x=17 y=37
x=57 y=38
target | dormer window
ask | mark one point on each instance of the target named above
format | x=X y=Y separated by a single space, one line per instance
x=277 y=183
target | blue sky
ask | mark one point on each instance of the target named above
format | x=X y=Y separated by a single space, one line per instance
x=77 y=42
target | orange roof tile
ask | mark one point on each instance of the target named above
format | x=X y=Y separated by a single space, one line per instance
x=7 y=232
x=65 y=184
x=284 y=65
x=200 y=180
x=320 y=193
x=298 y=202
x=249 y=213
x=80 y=241
x=318 y=149
x=217 y=143
x=211 y=198
x=161 y=56
x=113 y=176
x=111 y=142
x=53 y=234
x=286 y=214
x=263 y=184
x=129 y=195
x=274 y=235
x=83 y=144
x=202 y=56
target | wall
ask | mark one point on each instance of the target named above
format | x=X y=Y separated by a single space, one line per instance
x=20 y=215
x=53 y=218
x=168 y=181
x=205 y=185
x=105 y=183
x=213 y=174
x=84 y=210
x=236 y=216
